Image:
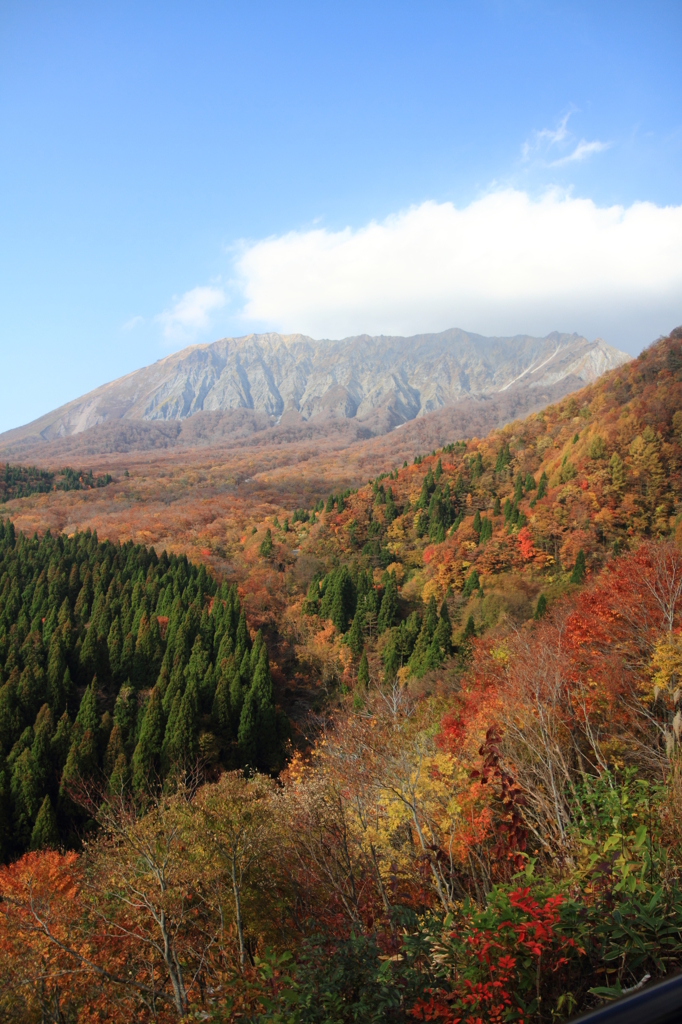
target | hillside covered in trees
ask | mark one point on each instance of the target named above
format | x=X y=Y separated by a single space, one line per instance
x=479 y=821
x=117 y=664
x=480 y=530
x=20 y=481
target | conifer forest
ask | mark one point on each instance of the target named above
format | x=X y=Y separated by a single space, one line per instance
x=399 y=739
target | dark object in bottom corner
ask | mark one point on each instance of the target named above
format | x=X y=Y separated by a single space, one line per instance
x=658 y=1004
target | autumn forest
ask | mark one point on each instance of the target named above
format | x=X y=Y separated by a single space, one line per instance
x=332 y=729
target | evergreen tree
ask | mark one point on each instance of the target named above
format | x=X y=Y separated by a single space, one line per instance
x=472 y=584
x=246 y=734
x=389 y=604
x=119 y=780
x=477 y=521
x=125 y=714
x=56 y=667
x=60 y=743
x=225 y=648
x=40 y=750
x=174 y=687
x=197 y=664
x=486 y=530
x=265 y=549
x=312 y=601
x=578 y=574
x=92 y=655
x=127 y=656
x=45 y=833
x=422 y=524
x=115 y=649
x=391 y=657
x=245 y=669
x=256 y=651
x=10 y=720
x=268 y=752
x=207 y=690
x=496 y=506
x=147 y=754
x=338 y=610
x=355 y=637
x=236 y=688
x=32 y=690
x=83 y=757
x=88 y=712
x=542 y=486
x=390 y=511
x=338 y=601
x=431 y=617
x=167 y=751
x=25 y=794
x=183 y=743
x=5 y=809
x=363 y=670
x=503 y=458
x=242 y=639
x=419 y=659
x=220 y=711
x=541 y=607
x=113 y=751
x=75 y=605
x=442 y=637
x=469 y=629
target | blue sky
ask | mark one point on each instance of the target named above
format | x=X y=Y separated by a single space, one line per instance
x=176 y=172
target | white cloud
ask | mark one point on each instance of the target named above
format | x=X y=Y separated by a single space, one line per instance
x=541 y=143
x=190 y=314
x=581 y=152
x=547 y=137
x=505 y=263
x=134 y=322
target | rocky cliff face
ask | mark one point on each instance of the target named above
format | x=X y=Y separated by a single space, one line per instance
x=382 y=381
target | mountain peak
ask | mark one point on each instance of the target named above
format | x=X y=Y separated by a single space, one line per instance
x=391 y=379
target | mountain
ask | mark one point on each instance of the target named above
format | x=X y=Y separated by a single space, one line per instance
x=379 y=382
x=490 y=639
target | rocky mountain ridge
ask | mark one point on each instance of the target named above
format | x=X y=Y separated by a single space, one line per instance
x=381 y=381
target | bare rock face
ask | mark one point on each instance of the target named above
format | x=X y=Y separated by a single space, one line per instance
x=387 y=380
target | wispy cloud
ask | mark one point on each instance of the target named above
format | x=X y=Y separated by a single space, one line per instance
x=134 y=322
x=190 y=315
x=581 y=152
x=546 y=137
x=543 y=145
x=505 y=262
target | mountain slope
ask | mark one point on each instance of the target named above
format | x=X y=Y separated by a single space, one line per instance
x=462 y=750
x=378 y=381
x=573 y=484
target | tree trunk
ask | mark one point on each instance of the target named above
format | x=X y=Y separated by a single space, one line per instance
x=238 y=915
x=173 y=968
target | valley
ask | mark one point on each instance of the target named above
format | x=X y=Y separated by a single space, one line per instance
x=406 y=678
